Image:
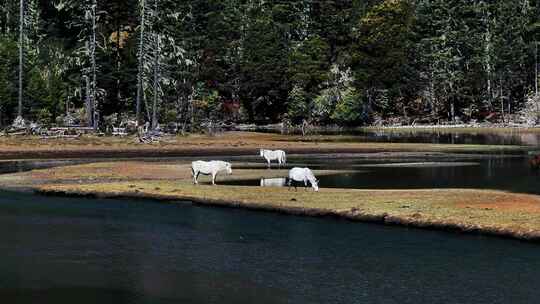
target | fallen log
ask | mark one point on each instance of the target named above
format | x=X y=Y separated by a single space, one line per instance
x=61 y=136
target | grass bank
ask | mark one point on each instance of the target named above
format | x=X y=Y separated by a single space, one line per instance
x=488 y=212
x=228 y=143
x=482 y=211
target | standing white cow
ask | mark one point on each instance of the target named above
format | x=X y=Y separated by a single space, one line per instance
x=209 y=168
x=302 y=175
x=270 y=155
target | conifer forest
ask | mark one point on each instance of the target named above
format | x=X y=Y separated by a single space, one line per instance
x=95 y=63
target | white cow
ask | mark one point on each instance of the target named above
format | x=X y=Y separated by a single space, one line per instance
x=270 y=155
x=302 y=175
x=209 y=168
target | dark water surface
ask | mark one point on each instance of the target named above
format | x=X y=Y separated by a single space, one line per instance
x=498 y=173
x=67 y=250
x=13 y=166
x=435 y=136
x=63 y=250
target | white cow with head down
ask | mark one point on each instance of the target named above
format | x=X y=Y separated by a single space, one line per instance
x=302 y=175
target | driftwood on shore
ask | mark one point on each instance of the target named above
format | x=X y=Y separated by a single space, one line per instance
x=60 y=133
x=17 y=133
x=119 y=132
x=76 y=129
x=61 y=136
x=148 y=137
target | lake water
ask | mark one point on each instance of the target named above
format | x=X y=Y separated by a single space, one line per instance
x=63 y=250
x=25 y=165
x=498 y=173
x=67 y=250
x=516 y=137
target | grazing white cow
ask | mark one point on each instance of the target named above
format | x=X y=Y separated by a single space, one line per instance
x=270 y=155
x=302 y=175
x=209 y=168
x=273 y=182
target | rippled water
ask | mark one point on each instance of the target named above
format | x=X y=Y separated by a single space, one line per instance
x=62 y=250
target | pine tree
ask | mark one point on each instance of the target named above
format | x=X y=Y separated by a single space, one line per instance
x=380 y=51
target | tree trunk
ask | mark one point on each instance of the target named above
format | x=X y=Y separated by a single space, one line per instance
x=487 y=59
x=453 y=112
x=434 y=109
x=93 y=61
x=7 y=28
x=88 y=101
x=141 y=63
x=536 y=67
x=156 y=71
x=536 y=79
x=502 y=100
x=21 y=56
x=118 y=60
x=156 y=87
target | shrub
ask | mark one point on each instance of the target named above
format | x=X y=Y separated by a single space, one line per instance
x=349 y=108
x=530 y=112
x=44 y=117
x=297 y=107
x=324 y=104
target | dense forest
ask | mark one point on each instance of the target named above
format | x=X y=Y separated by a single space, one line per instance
x=345 y=62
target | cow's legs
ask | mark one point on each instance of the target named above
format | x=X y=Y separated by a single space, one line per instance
x=195 y=176
x=213 y=178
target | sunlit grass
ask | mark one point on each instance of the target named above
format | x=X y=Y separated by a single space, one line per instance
x=230 y=142
x=493 y=211
x=466 y=209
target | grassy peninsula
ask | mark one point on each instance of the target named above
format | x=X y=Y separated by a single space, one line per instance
x=485 y=211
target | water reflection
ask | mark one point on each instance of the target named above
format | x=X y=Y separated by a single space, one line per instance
x=273 y=182
x=436 y=137
x=498 y=173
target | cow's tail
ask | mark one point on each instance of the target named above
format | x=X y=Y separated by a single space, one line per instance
x=284 y=157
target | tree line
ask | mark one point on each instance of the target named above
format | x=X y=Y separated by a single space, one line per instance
x=346 y=62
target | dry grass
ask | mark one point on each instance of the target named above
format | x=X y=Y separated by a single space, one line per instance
x=495 y=212
x=226 y=143
x=137 y=171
